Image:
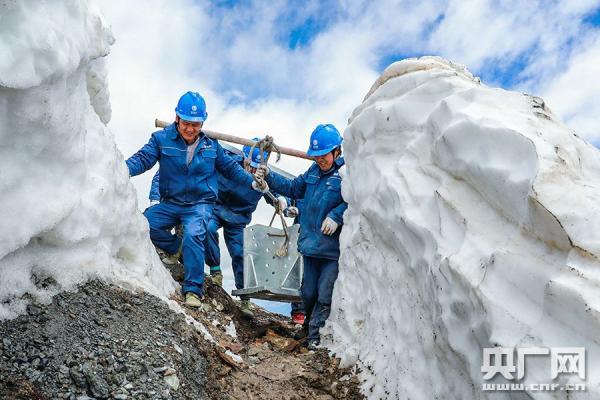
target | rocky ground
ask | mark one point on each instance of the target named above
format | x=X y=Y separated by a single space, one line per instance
x=103 y=342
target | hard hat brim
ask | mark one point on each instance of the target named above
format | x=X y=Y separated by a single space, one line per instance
x=190 y=118
x=316 y=153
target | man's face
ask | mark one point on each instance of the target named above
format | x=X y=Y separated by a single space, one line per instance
x=188 y=130
x=325 y=162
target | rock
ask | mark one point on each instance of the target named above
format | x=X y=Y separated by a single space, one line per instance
x=33 y=310
x=98 y=385
x=177 y=348
x=253 y=351
x=172 y=381
x=78 y=378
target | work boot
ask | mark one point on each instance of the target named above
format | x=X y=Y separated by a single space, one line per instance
x=193 y=300
x=246 y=309
x=217 y=279
x=301 y=333
x=169 y=259
x=312 y=345
x=216 y=275
x=298 y=318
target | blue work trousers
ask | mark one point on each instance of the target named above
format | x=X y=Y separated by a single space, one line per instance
x=317 y=288
x=234 y=240
x=165 y=216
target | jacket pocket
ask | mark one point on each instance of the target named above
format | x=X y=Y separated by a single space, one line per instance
x=172 y=152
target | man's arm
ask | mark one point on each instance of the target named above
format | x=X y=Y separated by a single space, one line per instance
x=293 y=189
x=337 y=214
x=229 y=168
x=269 y=200
x=154 y=192
x=145 y=158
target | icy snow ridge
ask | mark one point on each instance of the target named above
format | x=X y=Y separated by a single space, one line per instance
x=479 y=227
x=68 y=209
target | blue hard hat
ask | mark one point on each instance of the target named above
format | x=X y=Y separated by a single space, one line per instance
x=256 y=157
x=191 y=107
x=323 y=140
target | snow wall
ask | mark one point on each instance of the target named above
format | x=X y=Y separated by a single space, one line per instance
x=473 y=222
x=68 y=210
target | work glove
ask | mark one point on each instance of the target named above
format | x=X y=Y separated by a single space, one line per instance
x=329 y=226
x=261 y=171
x=260 y=187
x=281 y=203
x=291 y=212
x=154 y=202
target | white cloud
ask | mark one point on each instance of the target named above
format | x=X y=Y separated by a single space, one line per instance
x=238 y=58
x=574 y=93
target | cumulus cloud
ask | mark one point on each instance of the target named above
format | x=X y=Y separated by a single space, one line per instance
x=258 y=77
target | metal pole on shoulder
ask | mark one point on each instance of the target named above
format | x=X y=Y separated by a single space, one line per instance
x=239 y=140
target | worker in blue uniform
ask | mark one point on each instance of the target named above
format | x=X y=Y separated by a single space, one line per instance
x=321 y=219
x=232 y=212
x=189 y=164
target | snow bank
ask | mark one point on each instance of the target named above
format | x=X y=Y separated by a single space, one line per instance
x=68 y=209
x=479 y=227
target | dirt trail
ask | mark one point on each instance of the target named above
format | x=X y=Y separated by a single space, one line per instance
x=267 y=363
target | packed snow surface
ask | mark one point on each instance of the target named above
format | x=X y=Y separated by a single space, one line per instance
x=473 y=222
x=68 y=209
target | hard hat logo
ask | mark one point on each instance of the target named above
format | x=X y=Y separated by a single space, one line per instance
x=194 y=108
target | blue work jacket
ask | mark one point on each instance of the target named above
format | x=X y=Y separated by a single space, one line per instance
x=322 y=197
x=235 y=203
x=183 y=183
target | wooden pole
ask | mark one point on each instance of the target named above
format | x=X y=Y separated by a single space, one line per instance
x=239 y=140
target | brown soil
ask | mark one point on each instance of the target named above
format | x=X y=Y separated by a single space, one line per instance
x=271 y=364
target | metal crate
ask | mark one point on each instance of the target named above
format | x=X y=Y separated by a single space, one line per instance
x=266 y=275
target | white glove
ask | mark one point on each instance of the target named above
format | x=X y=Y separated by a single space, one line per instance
x=154 y=202
x=291 y=212
x=261 y=171
x=281 y=203
x=263 y=189
x=329 y=226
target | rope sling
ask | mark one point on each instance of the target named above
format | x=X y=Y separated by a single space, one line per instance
x=268 y=147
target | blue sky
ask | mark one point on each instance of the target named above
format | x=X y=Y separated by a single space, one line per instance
x=282 y=67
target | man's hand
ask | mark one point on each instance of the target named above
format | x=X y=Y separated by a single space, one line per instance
x=291 y=212
x=261 y=171
x=281 y=203
x=329 y=226
x=260 y=187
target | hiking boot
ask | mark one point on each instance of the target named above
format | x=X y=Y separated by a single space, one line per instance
x=301 y=333
x=246 y=309
x=169 y=259
x=193 y=300
x=312 y=345
x=217 y=279
x=298 y=318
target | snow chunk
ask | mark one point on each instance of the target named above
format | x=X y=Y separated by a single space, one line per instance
x=471 y=223
x=45 y=40
x=68 y=208
x=230 y=330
